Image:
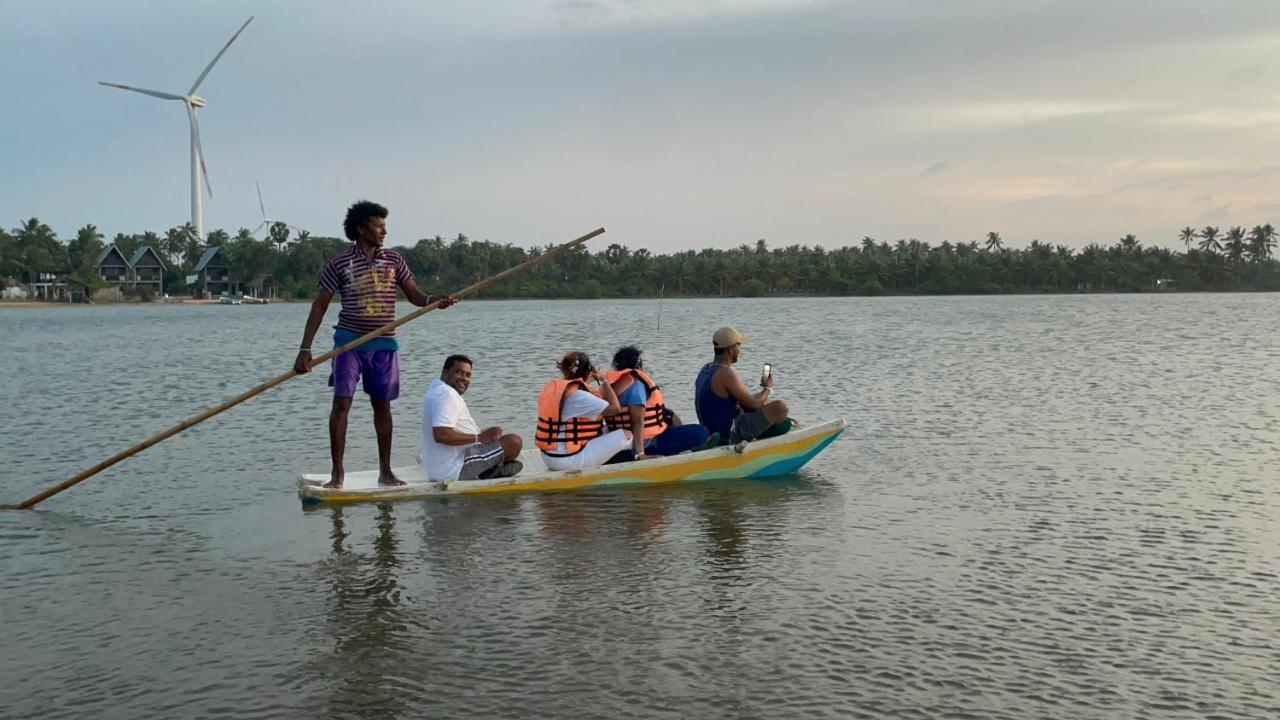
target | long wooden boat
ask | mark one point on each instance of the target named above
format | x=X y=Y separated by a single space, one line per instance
x=762 y=458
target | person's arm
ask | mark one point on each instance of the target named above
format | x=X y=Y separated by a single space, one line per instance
x=606 y=391
x=732 y=384
x=319 y=307
x=637 y=430
x=421 y=299
x=449 y=436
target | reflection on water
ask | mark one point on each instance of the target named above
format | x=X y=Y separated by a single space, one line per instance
x=370 y=639
x=1049 y=507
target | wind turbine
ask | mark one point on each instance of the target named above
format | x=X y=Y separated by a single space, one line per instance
x=192 y=101
x=266 y=221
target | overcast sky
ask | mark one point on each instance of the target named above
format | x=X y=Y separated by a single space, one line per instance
x=674 y=123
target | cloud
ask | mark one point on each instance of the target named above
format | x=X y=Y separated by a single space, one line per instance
x=1270 y=212
x=799 y=120
x=597 y=14
x=1220 y=214
x=936 y=168
x=1232 y=118
x=1014 y=112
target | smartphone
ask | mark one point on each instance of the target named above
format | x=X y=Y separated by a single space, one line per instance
x=768 y=372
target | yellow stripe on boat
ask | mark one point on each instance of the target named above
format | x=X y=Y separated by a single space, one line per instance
x=762 y=458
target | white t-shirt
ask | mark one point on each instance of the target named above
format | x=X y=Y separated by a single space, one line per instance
x=598 y=450
x=442 y=406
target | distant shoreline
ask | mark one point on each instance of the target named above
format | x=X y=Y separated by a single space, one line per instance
x=27 y=304
x=37 y=304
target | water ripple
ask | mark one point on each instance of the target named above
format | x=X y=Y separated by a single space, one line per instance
x=1051 y=507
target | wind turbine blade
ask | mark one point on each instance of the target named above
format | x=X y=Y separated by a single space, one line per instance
x=261 y=225
x=195 y=135
x=260 y=205
x=144 y=91
x=219 y=56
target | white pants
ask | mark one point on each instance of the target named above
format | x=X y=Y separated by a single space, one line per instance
x=596 y=452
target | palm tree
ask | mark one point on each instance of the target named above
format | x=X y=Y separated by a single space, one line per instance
x=1262 y=240
x=1187 y=235
x=1209 y=240
x=38 y=249
x=278 y=233
x=85 y=245
x=174 y=245
x=1236 y=244
x=993 y=242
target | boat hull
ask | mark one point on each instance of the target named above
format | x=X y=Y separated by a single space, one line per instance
x=763 y=458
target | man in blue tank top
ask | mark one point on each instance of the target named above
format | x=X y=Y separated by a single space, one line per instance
x=724 y=404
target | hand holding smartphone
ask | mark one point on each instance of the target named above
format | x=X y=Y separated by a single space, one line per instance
x=766 y=377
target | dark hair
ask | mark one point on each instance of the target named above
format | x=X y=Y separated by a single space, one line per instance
x=452 y=359
x=575 y=364
x=627 y=358
x=358 y=215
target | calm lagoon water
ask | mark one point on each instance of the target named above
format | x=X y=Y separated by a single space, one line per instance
x=1049 y=507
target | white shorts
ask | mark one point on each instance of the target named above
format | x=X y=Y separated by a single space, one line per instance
x=597 y=452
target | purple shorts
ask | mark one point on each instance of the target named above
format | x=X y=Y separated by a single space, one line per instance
x=380 y=370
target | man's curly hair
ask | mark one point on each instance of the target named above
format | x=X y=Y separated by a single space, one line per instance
x=358 y=215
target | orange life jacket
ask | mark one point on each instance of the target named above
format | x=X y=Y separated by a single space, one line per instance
x=655 y=411
x=554 y=429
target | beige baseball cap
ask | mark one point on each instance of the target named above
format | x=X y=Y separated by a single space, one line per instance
x=726 y=336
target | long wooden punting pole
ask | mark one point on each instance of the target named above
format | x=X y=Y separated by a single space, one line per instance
x=191 y=422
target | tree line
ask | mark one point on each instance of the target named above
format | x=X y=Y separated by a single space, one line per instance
x=289 y=264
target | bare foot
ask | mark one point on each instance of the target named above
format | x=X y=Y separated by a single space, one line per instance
x=389 y=478
x=335 y=480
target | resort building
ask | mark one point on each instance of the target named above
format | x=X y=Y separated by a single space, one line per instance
x=213 y=272
x=112 y=266
x=148 y=269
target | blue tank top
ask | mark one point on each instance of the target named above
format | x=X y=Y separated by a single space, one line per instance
x=714 y=412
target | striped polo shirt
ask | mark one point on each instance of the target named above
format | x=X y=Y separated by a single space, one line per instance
x=367 y=287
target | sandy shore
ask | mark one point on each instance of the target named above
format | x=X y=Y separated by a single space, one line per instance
x=42 y=304
x=33 y=304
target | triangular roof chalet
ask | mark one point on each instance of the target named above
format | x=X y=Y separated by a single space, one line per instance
x=104 y=252
x=207 y=257
x=137 y=255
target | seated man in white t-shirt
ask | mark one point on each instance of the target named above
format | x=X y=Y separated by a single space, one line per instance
x=453 y=445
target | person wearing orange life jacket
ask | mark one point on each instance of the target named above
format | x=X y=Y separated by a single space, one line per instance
x=655 y=429
x=571 y=430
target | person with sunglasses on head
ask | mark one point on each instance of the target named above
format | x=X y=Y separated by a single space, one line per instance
x=571 y=430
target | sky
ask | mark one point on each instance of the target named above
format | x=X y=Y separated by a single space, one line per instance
x=673 y=123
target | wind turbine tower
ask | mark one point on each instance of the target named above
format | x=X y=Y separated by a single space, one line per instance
x=192 y=102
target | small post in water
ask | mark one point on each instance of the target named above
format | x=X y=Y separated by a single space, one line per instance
x=660 y=289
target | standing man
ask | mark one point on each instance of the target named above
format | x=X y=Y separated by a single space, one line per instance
x=453 y=445
x=366 y=276
x=726 y=406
